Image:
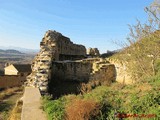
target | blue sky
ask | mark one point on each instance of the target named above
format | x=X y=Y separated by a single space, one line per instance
x=93 y=23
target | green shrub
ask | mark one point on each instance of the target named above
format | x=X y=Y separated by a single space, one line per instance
x=54 y=108
x=131 y=101
x=97 y=94
x=111 y=100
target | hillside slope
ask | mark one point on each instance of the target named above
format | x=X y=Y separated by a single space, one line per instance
x=140 y=100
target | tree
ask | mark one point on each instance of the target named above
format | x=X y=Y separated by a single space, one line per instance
x=144 y=43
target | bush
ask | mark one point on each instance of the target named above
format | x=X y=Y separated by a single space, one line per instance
x=104 y=102
x=130 y=99
x=80 y=109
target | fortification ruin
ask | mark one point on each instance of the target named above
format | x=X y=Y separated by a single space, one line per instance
x=93 y=52
x=60 y=61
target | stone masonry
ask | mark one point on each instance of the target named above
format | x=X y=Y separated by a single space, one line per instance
x=93 y=52
x=54 y=46
x=60 y=59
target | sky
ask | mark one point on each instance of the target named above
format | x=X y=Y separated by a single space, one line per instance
x=93 y=23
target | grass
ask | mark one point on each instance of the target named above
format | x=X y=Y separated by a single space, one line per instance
x=9 y=92
x=16 y=112
x=4 y=110
x=137 y=101
x=142 y=98
x=54 y=109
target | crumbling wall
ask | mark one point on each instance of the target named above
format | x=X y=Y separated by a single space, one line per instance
x=54 y=47
x=71 y=71
x=60 y=64
x=123 y=76
x=83 y=70
x=62 y=46
x=68 y=76
x=93 y=52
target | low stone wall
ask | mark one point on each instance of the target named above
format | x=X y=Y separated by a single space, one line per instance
x=11 y=81
x=71 y=71
x=68 y=76
x=83 y=71
x=105 y=74
x=70 y=57
x=123 y=76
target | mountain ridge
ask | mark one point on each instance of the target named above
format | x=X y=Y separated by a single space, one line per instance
x=10 y=51
x=20 y=49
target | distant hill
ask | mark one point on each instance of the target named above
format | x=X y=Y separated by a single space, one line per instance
x=14 y=56
x=23 y=50
x=10 y=51
x=110 y=53
x=13 y=51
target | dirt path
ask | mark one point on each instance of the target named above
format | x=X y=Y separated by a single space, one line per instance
x=31 y=105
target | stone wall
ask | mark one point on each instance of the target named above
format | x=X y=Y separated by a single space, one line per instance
x=61 y=63
x=62 y=46
x=83 y=70
x=123 y=76
x=11 y=81
x=71 y=71
x=54 y=47
x=68 y=76
x=93 y=52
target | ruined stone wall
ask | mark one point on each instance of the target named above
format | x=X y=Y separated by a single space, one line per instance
x=70 y=77
x=83 y=70
x=61 y=60
x=123 y=76
x=71 y=71
x=54 y=47
x=93 y=52
x=62 y=46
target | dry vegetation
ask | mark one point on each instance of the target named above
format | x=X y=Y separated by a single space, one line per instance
x=10 y=107
x=80 y=109
x=8 y=101
x=16 y=112
x=104 y=102
x=4 y=94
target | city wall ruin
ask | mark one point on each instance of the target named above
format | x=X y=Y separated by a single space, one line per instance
x=63 y=64
x=123 y=74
